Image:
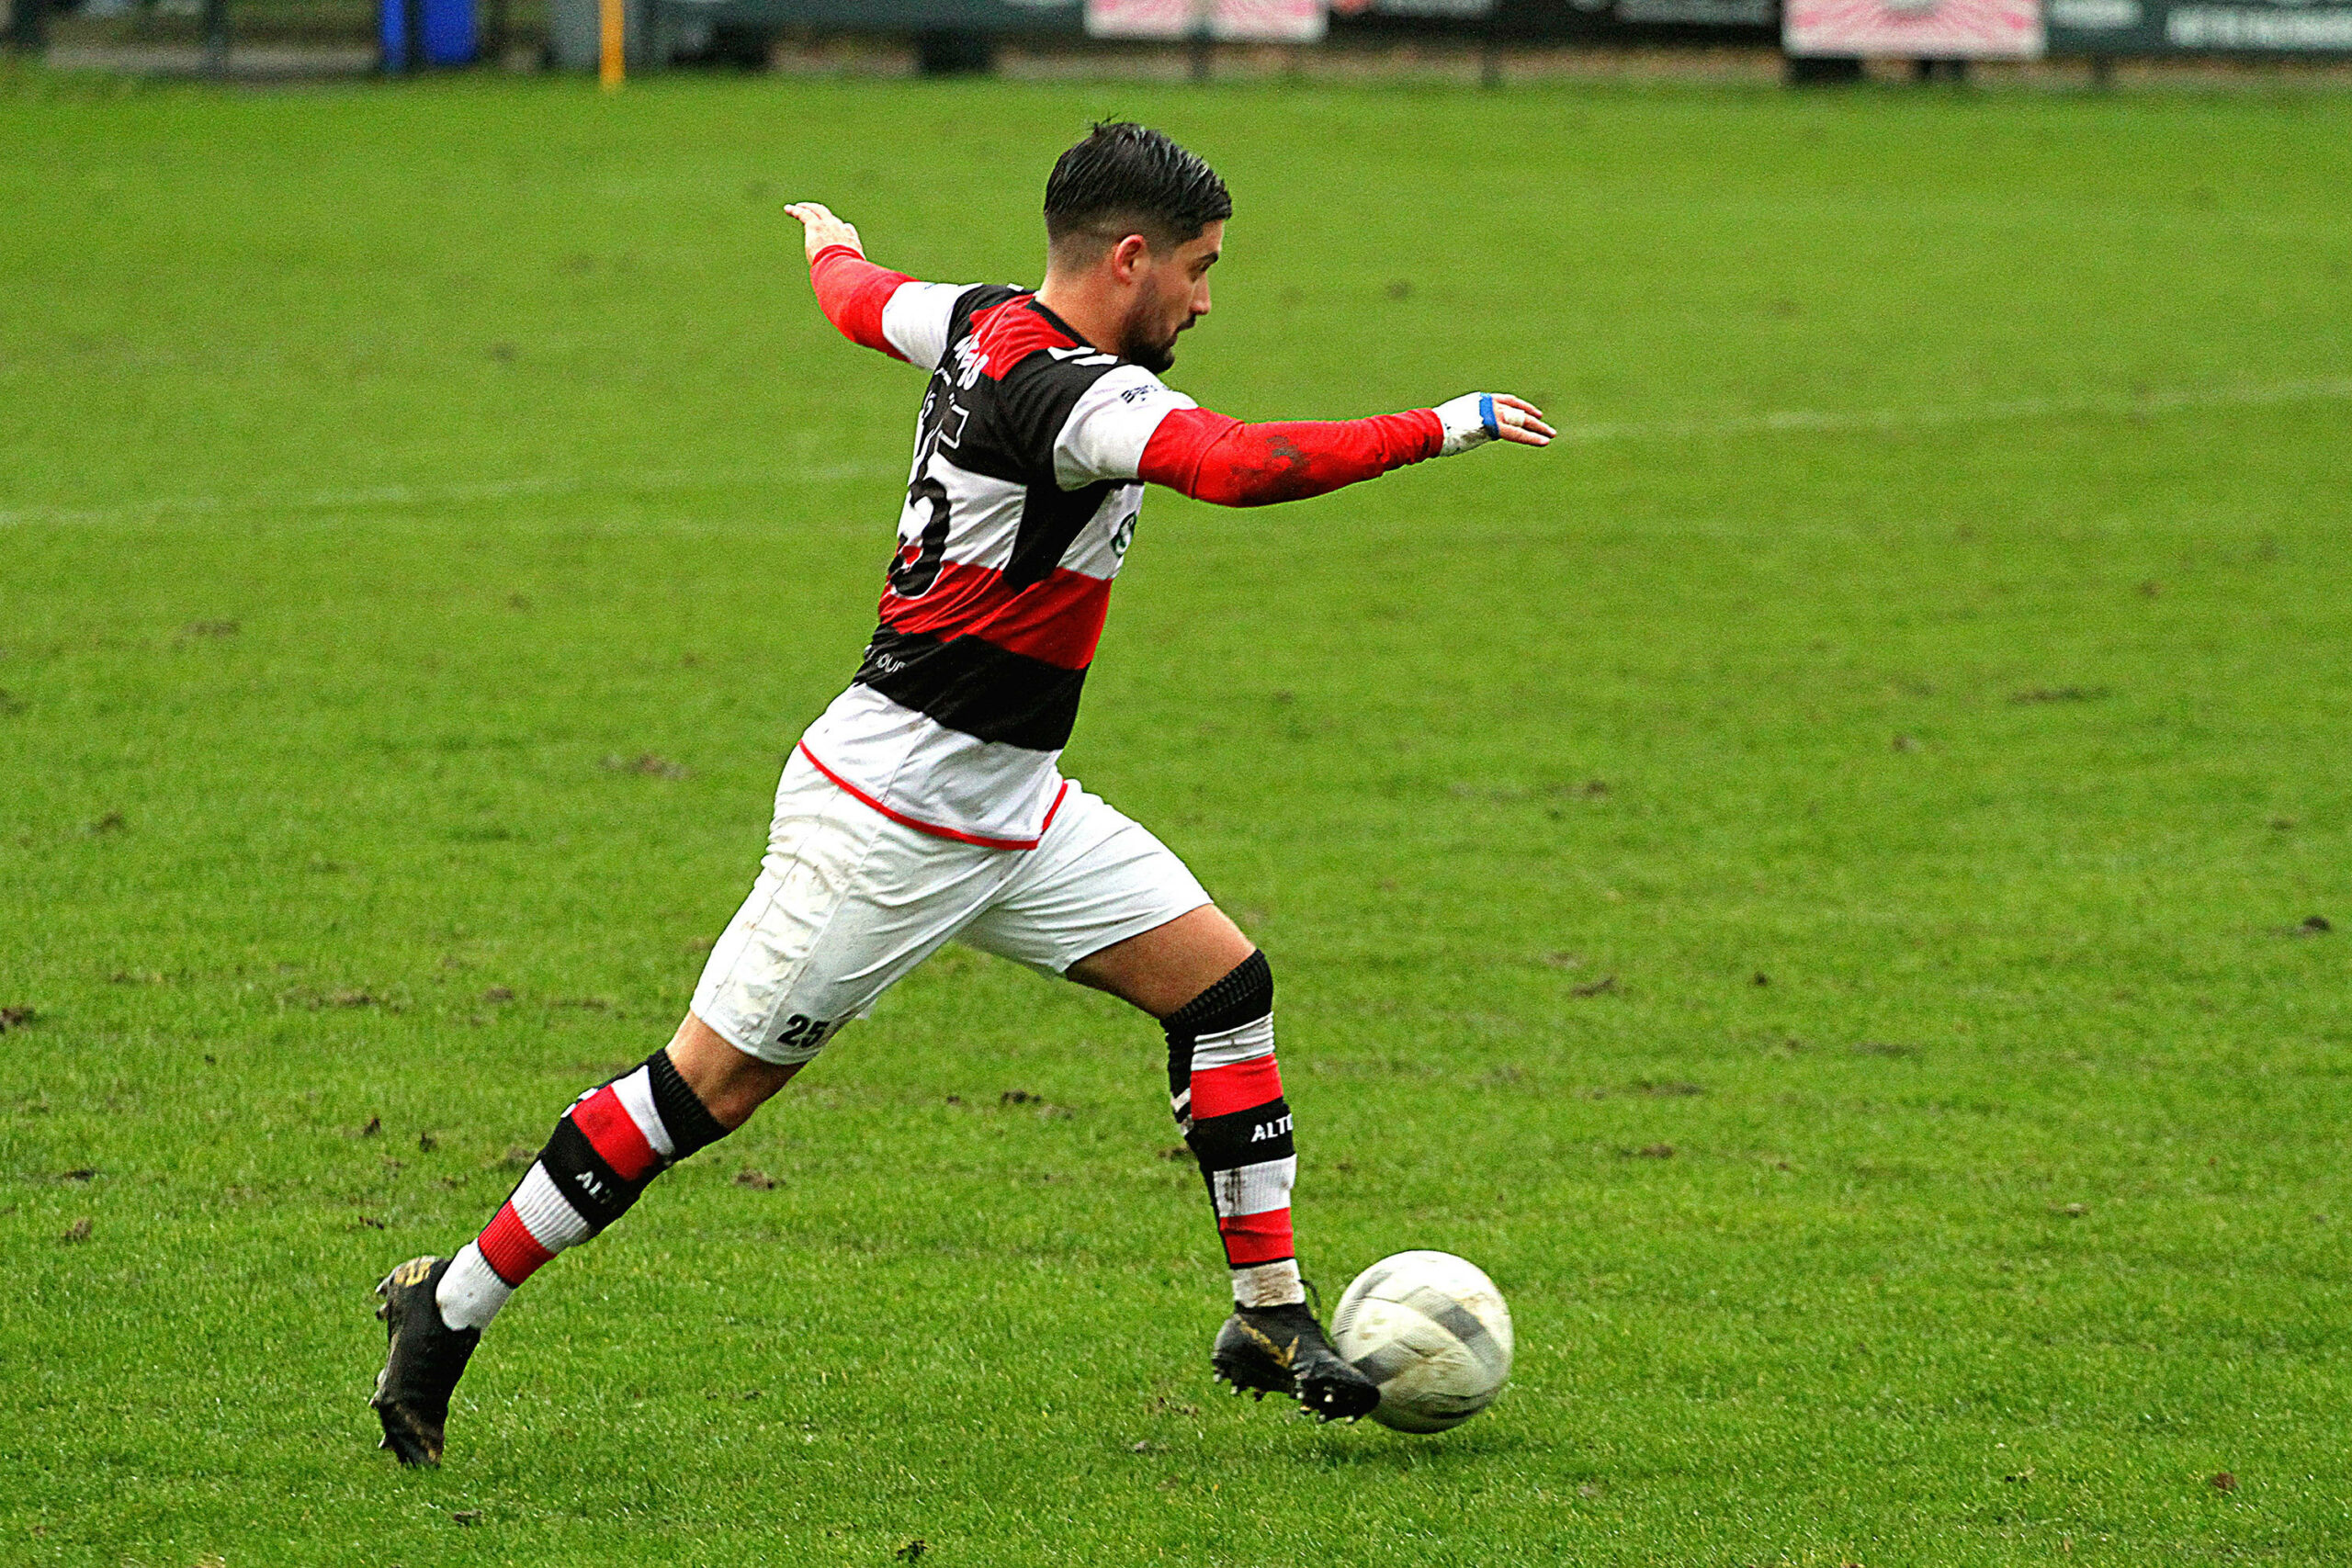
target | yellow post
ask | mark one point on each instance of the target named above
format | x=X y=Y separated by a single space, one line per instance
x=612 y=41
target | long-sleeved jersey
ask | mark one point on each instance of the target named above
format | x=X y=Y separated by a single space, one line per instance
x=1030 y=454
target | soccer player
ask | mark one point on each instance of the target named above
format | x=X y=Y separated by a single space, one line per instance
x=925 y=804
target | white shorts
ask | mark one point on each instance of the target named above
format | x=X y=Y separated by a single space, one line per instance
x=849 y=902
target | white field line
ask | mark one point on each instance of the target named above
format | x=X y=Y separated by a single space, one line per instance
x=1809 y=421
x=1793 y=421
x=426 y=495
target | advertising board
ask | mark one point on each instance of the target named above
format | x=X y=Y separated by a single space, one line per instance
x=1419 y=10
x=1026 y=16
x=1227 y=21
x=2200 y=26
x=1698 y=12
x=1917 y=29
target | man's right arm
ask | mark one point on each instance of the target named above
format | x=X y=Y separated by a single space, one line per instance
x=871 y=305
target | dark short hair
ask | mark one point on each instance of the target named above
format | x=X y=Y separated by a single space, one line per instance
x=1124 y=179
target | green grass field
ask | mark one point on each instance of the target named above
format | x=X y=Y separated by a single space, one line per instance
x=1804 y=881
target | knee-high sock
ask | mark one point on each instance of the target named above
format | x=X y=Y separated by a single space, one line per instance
x=1228 y=1096
x=614 y=1140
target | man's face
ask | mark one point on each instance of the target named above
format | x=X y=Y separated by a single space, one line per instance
x=1171 y=292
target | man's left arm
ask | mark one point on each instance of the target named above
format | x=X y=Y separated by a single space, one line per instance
x=1131 y=426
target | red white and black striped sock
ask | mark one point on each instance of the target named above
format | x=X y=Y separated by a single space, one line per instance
x=1228 y=1096
x=614 y=1140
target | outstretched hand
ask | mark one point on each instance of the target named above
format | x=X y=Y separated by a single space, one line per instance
x=1476 y=418
x=819 y=228
x=1519 y=420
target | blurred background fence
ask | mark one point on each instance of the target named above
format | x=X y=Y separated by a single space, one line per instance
x=1817 y=40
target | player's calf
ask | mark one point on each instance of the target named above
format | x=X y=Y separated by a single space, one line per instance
x=1226 y=1094
x=603 y=1152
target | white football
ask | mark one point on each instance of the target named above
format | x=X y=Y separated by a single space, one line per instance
x=1432 y=1331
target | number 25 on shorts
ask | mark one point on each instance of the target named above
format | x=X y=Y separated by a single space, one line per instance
x=804 y=1034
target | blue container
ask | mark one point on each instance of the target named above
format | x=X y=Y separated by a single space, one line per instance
x=445 y=30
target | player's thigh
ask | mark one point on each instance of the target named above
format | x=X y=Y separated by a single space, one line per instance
x=1169 y=965
x=846 y=903
x=1098 y=879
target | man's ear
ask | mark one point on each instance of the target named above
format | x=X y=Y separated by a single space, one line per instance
x=1129 y=257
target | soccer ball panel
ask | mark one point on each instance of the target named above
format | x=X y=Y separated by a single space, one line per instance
x=1432 y=1331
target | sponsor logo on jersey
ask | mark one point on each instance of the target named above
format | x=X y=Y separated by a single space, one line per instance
x=970 y=362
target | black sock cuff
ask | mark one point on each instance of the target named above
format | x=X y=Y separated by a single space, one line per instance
x=1246 y=993
x=684 y=1116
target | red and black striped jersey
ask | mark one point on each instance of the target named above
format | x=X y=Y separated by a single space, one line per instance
x=1020 y=506
x=1031 y=455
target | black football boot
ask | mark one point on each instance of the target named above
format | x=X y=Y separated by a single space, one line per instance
x=1282 y=1350
x=426 y=1357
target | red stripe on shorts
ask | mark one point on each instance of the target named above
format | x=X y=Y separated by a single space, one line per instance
x=1256 y=1238
x=903 y=820
x=613 y=1133
x=1220 y=1091
x=510 y=1248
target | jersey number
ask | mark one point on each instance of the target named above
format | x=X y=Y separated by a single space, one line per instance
x=916 y=567
x=913 y=575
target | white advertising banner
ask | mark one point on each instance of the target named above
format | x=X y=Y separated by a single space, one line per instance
x=1916 y=29
x=1227 y=21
